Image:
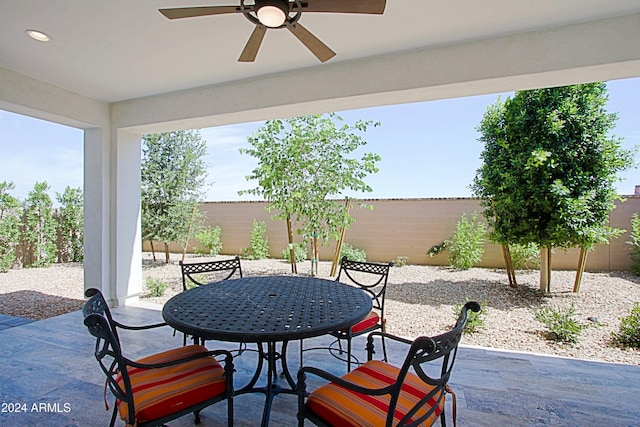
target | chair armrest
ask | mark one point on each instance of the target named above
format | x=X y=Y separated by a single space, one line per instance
x=228 y=358
x=138 y=328
x=381 y=335
x=391 y=337
x=301 y=386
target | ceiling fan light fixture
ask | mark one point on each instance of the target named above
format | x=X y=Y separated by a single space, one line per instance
x=272 y=13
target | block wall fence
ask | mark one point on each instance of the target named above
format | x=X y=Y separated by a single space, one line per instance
x=406 y=227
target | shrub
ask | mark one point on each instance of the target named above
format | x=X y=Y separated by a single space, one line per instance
x=561 y=324
x=466 y=246
x=70 y=225
x=475 y=321
x=40 y=228
x=400 y=261
x=258 y=242
x=525 y=257
x=353 y=254
x=634 y=235
x=209 y=238
x=436 y=249
x=156 y=287
x=629 y=334
x=10 y=223
x=299 y=252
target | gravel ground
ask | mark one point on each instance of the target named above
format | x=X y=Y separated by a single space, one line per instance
x=420 y=301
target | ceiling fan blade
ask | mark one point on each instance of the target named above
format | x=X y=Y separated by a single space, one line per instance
x=250 y=50
x=374 y=7
x=190 y=12
x=319 y=49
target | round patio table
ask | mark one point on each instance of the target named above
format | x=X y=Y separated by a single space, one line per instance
x=267 y=310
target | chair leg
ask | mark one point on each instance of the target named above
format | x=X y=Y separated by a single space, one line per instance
x=384 y=349
x=230 y=412
x=301 y=351
x=113 y=414
x=349 y=354
x=197 y=419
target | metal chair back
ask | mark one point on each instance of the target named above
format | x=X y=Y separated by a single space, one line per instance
x=371 y=277
x=199 y=273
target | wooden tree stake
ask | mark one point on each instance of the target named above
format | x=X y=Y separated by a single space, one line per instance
x=508 y=262
x=545 y=269
x=582 y=261
x=336 y=253
x=186 y=242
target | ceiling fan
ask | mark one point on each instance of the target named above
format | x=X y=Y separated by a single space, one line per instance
x=278 y=14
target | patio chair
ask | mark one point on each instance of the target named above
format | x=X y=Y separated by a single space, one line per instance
x=380 y=394
x=201 y=273
x=161 y=387
x=372 y=278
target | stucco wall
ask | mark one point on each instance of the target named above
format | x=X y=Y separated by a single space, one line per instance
x=408 y=227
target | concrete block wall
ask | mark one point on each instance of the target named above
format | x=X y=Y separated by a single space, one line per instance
x=408 y=227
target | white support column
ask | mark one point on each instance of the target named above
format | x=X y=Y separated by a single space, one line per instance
x=96 y=210
x=125 y=233
x=113 y=250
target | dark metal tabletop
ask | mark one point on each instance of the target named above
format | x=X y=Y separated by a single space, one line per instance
x=266 y=309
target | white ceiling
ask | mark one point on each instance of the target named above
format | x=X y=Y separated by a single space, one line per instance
x=114 y=50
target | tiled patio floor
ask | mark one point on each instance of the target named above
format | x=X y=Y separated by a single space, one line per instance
x=51 y=362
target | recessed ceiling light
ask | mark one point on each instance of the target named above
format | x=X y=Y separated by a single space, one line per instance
x=38 y=35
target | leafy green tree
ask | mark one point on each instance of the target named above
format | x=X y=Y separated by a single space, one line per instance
x=39 y=235
x=549 y=168
x=304 y=165
x=70 y=225
x=10 y=224
x=173 y=181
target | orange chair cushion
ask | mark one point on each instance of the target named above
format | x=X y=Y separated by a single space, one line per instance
x=162 y=391
x=339 y=406
x=370 y=321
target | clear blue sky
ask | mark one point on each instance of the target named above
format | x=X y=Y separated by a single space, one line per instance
x=428 y=149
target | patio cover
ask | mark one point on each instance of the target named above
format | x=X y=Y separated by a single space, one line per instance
x=119 y=69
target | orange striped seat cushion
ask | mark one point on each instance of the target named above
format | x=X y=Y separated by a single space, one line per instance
x=163 y=391
x=341 y=407
x=371 y=320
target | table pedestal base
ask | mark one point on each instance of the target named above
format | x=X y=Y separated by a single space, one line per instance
x=273 y=387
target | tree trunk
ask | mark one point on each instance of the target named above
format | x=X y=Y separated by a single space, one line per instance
x=508 y=262
x=545 y=269
x=315 y=257
x=153 y=250
x=582 y=261
x=292 y=252
x=166 y=253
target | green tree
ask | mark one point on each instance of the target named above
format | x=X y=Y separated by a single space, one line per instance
x=10 y=224
x=549 y=168
x=70 y=225
x=39 y=235
x=173 y=181
x=304 y=165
